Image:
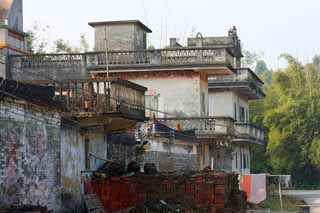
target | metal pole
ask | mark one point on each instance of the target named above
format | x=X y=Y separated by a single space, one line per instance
x=107 y=65
x=280 y=194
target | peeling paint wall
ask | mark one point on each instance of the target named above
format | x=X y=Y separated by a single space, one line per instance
x=179 y=92
x=72 y=163
x=30 y=156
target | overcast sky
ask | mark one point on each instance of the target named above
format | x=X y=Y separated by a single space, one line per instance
x=270 y=27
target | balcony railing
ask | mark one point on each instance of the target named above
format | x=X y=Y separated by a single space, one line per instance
x=249 y=131
x=244 y=76
x=96 y=97
x=38 y=61
x=170 y=56
x=162 y=57
x=205 y=127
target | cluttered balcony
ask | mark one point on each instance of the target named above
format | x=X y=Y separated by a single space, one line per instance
x=205 y=127
x=98 y=101
x=249 y=132
x=245 y=82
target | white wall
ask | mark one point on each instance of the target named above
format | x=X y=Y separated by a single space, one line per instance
x=222 y=104
x=177 y=95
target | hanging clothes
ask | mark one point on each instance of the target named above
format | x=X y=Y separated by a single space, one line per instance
x=255 y=187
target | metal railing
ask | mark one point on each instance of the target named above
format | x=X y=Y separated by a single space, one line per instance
x=204 y=126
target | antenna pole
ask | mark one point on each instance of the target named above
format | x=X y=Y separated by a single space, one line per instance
x=107 y=65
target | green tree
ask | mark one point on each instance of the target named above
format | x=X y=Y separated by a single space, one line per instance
x=291 y=113
x=250 y=58
x=63 y=46
x=37 y=41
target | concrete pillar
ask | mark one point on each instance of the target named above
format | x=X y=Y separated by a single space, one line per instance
x=3 y=67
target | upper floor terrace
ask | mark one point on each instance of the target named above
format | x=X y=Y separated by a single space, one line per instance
x=244 y=82
x=212 y=60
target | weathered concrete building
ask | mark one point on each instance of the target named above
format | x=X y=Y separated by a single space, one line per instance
x=187 y=91
x=45 y=149
x=233 y=92
x=48 y=138
x=186 y=85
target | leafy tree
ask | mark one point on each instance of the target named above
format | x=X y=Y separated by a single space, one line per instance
x=250 y=58
x=37 y=41
x=291 y=112
x=261 y=67
x=263 y=72
x=62 y=46
x=84 y=44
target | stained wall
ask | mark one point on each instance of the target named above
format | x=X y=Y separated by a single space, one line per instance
x=30 y=156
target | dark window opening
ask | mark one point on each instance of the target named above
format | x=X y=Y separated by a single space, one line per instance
x=235 y=111
x=87 y=153
x=144 y=40
x=244 y=161
x=242 y=114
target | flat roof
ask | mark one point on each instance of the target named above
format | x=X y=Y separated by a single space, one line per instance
x=136 y=22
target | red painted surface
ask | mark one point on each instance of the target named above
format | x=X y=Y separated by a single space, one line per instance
x=150 y=74
x=120 y=193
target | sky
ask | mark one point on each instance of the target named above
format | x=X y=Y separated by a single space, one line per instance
x=268 y=27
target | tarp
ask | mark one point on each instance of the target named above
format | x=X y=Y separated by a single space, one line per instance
x=255 y=187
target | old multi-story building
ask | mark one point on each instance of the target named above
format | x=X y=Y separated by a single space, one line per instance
x=177 y=79
x=57 y=123
x=197 y=103
x=229 y=96
x=200 y=86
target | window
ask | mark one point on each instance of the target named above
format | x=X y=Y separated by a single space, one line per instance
x=144 y=40
x=87 y=153
x=244 y=157
x=242 y=114
x=236 y=160
x=247 y=116
x=203 y=106
x=235 y=111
